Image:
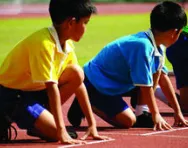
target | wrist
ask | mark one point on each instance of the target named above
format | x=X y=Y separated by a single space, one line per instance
x=178 y=112
x=155 y=113
x=61 y=129
x=92 y=123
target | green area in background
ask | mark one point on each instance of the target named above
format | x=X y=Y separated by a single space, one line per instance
x=100 y=31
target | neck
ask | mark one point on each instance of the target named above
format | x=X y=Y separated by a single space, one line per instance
x=61 y=35
x=159 y=38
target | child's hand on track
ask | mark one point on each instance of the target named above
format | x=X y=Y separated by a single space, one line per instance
x=160 y=123
x=92 y=131
x=65 y=138
x=179 y=120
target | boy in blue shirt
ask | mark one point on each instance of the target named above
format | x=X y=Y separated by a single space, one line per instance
x=132 y=66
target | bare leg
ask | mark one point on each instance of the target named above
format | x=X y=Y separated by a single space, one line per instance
x=183 y=101
x=160 y=95
x=45 y=124
x=69 y=81
x=125 y=119
x=83 y=99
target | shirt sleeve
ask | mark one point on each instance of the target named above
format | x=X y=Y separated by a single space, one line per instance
x=42 y=63
x=165 y=69
x=140 y=65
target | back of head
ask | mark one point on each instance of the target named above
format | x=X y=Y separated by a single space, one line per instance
x=60 y=10
x=167 y=15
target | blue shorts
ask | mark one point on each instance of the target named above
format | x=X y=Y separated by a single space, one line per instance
x=23 y=107
x=110 y=105
x=177 y=54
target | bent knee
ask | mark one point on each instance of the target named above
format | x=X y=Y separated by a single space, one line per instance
x=77 y=73
x=126 y=118
x=129 y=122
x=72 y=73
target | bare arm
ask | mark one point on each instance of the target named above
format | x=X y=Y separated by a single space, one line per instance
x=156 y=77
x=55 y=105
x=147 y=97
x=84 y=102
x=56 y=110
x=169 y=92
x=148 y=93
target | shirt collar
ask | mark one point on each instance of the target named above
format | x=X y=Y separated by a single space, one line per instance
x=53 y=32
x=150 y=35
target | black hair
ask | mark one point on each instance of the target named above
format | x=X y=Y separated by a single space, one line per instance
x=60 y=10
x=167 y=15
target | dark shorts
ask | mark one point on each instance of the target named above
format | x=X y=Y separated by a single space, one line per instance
x=177 y=54
x=110 y=105
x=23 y=107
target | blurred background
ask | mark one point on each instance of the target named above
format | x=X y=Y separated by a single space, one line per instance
x=116 y=18
x=14 y=7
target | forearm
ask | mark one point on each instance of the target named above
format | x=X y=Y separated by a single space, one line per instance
x=83 y=99
x=147 y=95
x=55 y=107
x=156 y=78
x=169 y=92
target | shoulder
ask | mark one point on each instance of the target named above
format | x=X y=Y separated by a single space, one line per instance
x=43 y=38
x=42 y=33
x=141 y=42
x=38 y=38
x=36 y=41
x=39 y=42
x=139 y=39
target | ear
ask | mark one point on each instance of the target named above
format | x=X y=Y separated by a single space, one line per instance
x=71 y=21
x=173 y=33
x=176 y=32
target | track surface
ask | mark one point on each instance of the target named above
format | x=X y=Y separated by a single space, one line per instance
x=132 y=138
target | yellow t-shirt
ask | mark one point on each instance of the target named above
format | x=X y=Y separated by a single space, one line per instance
x=36 y=60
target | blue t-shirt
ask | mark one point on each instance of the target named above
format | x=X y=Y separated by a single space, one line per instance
x=125 y=63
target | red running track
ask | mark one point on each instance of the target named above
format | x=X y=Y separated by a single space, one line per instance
x=122 y=138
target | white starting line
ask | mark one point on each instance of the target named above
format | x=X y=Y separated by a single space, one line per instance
x=92 y=142
x=104 y=141
x=166 y=131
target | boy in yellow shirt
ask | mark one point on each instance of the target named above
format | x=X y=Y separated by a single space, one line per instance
x=42 y=72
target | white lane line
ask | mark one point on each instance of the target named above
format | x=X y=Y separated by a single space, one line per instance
x=119 y=133
x=167 y=131
x=172 y=136
x=93 y=142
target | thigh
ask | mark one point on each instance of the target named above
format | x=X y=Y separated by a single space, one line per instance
x=29 y=108
x=46 y=126
x=126 y=118
x=132 y=93
x=71 y=73
x=112 y=109
x=109 y=105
